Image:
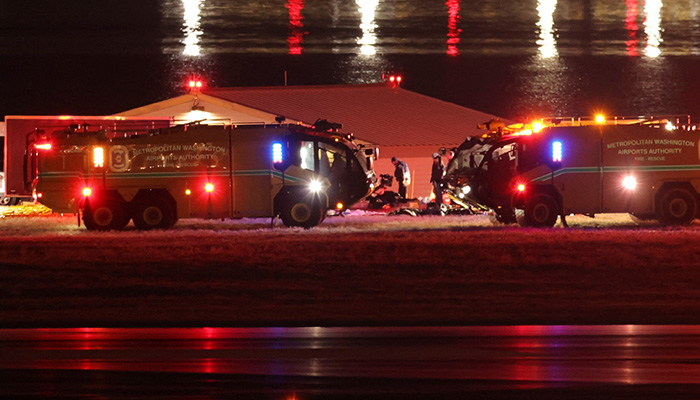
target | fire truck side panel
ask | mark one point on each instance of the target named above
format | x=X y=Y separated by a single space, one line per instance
x=252 y=160
x=184 y=164
x=18 y=128
x=62 y=186
x=574 y=157
x=653 y=156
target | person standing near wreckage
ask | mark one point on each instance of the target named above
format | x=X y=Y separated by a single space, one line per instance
x=436 y=174
x=402 y=175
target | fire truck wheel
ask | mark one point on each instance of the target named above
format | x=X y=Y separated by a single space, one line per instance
x=155 y=214
x=105 y=215
x=677 y=207
x=299 y=212
x=541 y=211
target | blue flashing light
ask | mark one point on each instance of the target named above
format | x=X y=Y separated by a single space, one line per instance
x=277 y=152
x=557 y=151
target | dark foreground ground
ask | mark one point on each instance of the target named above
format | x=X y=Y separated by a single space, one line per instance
x=368 y=270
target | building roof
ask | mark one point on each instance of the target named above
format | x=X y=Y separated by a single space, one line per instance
x=217 y=110
x=377 y=113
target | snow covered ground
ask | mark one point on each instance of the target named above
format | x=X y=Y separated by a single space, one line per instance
x=360 y=269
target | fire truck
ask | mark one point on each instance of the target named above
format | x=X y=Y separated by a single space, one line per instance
x=297 y=172
x=648 y=167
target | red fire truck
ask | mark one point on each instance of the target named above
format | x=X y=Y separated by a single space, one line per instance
x=202 y=171
x=649 y=168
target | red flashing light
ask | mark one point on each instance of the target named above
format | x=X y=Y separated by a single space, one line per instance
x=395 y=80
x=43 y=146
x=87 y=191
x=209 y=187
x=195 y=84
x=521 y=187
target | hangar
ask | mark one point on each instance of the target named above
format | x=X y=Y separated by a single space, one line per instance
x=402 y=123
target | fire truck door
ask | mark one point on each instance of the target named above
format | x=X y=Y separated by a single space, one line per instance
x=578 y=179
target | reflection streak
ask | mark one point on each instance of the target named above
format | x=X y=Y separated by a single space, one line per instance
x=528 y=356
x=367 y=9
x=547 y=43
x=296 y=33
x=631 y=26
x=192 y=27
x=652 y=27
x=452 y=30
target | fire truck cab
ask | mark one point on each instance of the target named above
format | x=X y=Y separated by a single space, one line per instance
x=648 y=168
x=199 y=171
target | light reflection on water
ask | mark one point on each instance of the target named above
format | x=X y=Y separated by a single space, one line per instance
x=652 y=27
x=192 y=28
x=547 y=42
x=511 y=27
x=505 y=57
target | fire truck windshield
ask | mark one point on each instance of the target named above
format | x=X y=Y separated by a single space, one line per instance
x=343 y=165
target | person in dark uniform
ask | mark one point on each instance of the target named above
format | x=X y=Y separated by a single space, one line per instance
x=402 y=175
x=436 y=177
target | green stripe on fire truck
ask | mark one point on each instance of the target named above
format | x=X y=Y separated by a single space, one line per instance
x=177 y=174
x=590 y=170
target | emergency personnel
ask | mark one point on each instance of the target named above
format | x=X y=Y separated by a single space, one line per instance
x=402 y=175
x=436 y=177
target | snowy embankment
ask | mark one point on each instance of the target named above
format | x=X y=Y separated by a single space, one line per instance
x=362 y=269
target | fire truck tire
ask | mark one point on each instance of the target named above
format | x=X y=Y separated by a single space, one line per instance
x=10 y=201
x=300 y=212
x=155 y=214
x=541 y=210
x=105 y=215
x=677 y=206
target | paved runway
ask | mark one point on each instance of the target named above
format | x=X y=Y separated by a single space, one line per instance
x=400 y=362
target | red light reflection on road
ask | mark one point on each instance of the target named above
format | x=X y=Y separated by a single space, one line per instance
x=296 y=26
x=631 y=26
x=452 y=30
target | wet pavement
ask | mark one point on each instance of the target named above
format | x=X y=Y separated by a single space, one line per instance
x=640 y=361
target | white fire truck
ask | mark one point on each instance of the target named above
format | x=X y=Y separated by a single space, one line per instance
x=202 y=171
x=649 y=168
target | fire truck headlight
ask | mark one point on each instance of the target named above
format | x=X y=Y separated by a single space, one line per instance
x=315 y=186
x=466 y=189
x=629 y=182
